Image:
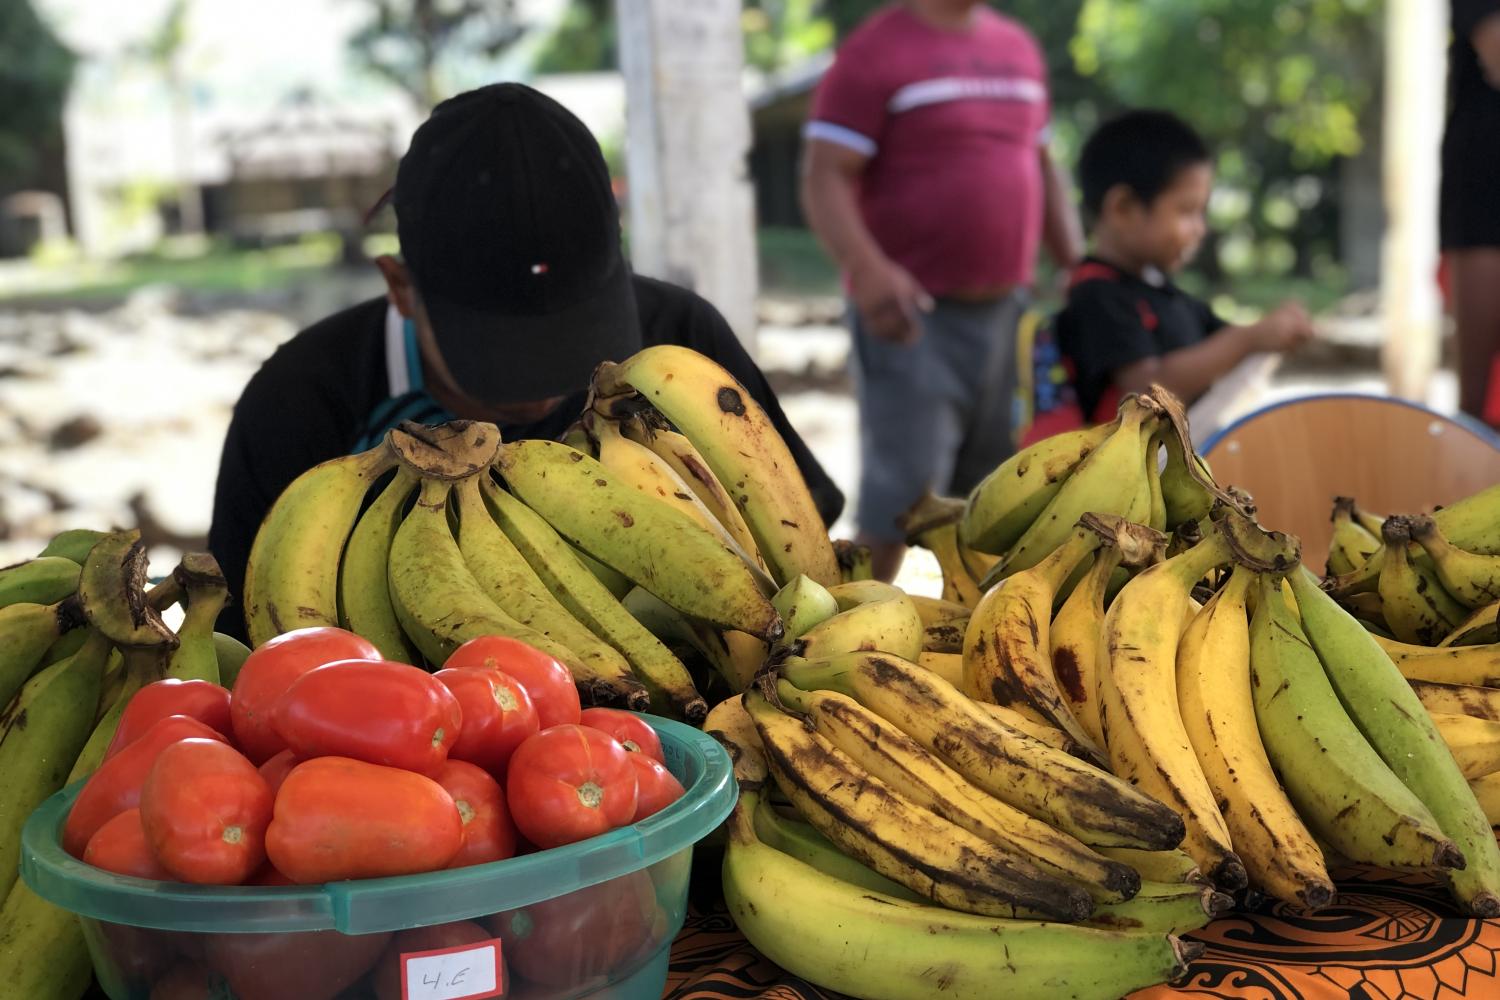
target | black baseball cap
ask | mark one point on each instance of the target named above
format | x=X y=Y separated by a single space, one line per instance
x=509 y=226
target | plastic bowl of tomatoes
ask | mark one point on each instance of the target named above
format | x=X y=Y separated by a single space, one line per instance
x=252 y=869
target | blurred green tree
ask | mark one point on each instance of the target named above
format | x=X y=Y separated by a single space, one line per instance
x=35 y=71
x=407 y=41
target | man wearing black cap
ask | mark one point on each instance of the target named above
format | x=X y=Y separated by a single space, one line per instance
x=510 y=289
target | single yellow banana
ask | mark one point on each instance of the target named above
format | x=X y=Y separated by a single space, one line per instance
x=731 y=725
x=1213 y=689
x=1458 y=699
x=1412 y=598
x=856 y=562
x=1009 y=500
x=885 y=752
x=441 y=606
x=1075 y=636
x=742 y=447
x=292 y=578
x=1343 y=790
x=1049 y=735
x=364 y=581
x=1479 y=628
x=1069 y=794
x=876 y=824
x=1160 y=867
x=872 y=616
x=1007 y=647
x=932 y=523
x=950 y=667
x=1487 y=793
x=1475 y=665
x=660 y=548
x=679 y=453
x=1475 y=743
x=1143 y=728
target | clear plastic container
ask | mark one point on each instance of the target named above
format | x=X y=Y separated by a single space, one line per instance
x=596 y=918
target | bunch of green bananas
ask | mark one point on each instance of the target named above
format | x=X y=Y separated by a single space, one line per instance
x=613 y=552
x=1419 y=579
x=79 y=635
x=1024 y=509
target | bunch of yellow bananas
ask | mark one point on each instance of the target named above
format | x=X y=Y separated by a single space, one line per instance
x=79 y=635
x=667 y=522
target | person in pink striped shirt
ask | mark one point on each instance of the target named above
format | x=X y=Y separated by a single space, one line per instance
x=927 y=178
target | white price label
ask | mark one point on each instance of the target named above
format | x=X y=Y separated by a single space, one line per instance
x=467 y=972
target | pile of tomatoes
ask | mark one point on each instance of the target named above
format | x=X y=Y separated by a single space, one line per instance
x=327 y=762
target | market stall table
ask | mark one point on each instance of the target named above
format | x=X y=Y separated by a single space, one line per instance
x=1388 y=936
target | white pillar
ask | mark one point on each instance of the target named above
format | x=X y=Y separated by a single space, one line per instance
x=692 y=218
x=1416 y=76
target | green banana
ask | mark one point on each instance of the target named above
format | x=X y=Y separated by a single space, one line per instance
x=42 y=951
x=27 y=631
x=803 y=603
x=1163 y=908
x=441 y=605
x=802 y=841
x=1391 y=717
x=1183 y=494
x=364 y=584
x=68 y=644
x=73 y=544
x=1352 y=545
x=230 y=654
x=41 y=732
x=1157 y=866
x=44 y=580
x=662 y=549
x=614 y=581
x=111 y=591
x=847 y=938
x=1472 y=578
x=872 y=616
x=565 y=573
x=292 y=578
x=206 y=590
x=141 y=665
x=1340 y=786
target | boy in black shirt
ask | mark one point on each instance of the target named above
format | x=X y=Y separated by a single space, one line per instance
x=1146 y=179
x=511 y=287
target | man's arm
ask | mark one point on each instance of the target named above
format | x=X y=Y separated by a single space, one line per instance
x=1190 y=371
x=887 y=297
x=1062 y=232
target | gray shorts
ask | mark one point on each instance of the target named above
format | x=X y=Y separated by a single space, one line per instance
x=937 y=414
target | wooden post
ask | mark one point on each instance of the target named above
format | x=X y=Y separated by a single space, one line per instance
x=687 y=136
x=1416 y=48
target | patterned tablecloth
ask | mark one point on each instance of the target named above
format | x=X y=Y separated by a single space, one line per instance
x=1387 y=937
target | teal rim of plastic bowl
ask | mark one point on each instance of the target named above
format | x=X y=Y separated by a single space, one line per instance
x=370 y=905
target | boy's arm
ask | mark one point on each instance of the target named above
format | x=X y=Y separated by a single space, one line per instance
x=1190 y=371
x=1062 y=233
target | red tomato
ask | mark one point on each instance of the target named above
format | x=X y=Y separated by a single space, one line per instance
x=498 y=715
x=377 y=711
x=139 y=955
x=387 y=975
x=307 y=965
x=569 y=783
x=633 y=732
x=120 y=846
x=116 y=786
x=658 y=788
x=489 y=834
x=205 y=809
x=549 y=683
x=277 y=768
x=338 y=818
x=566 y=941
x=208 y=703
x=268 y=875
x=270 y=670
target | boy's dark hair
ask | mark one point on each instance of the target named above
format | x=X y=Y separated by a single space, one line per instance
x=1145 y=150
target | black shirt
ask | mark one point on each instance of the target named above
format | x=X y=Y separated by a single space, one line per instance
x=1470 y=199
x=334 y=387
x=1113 y=319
